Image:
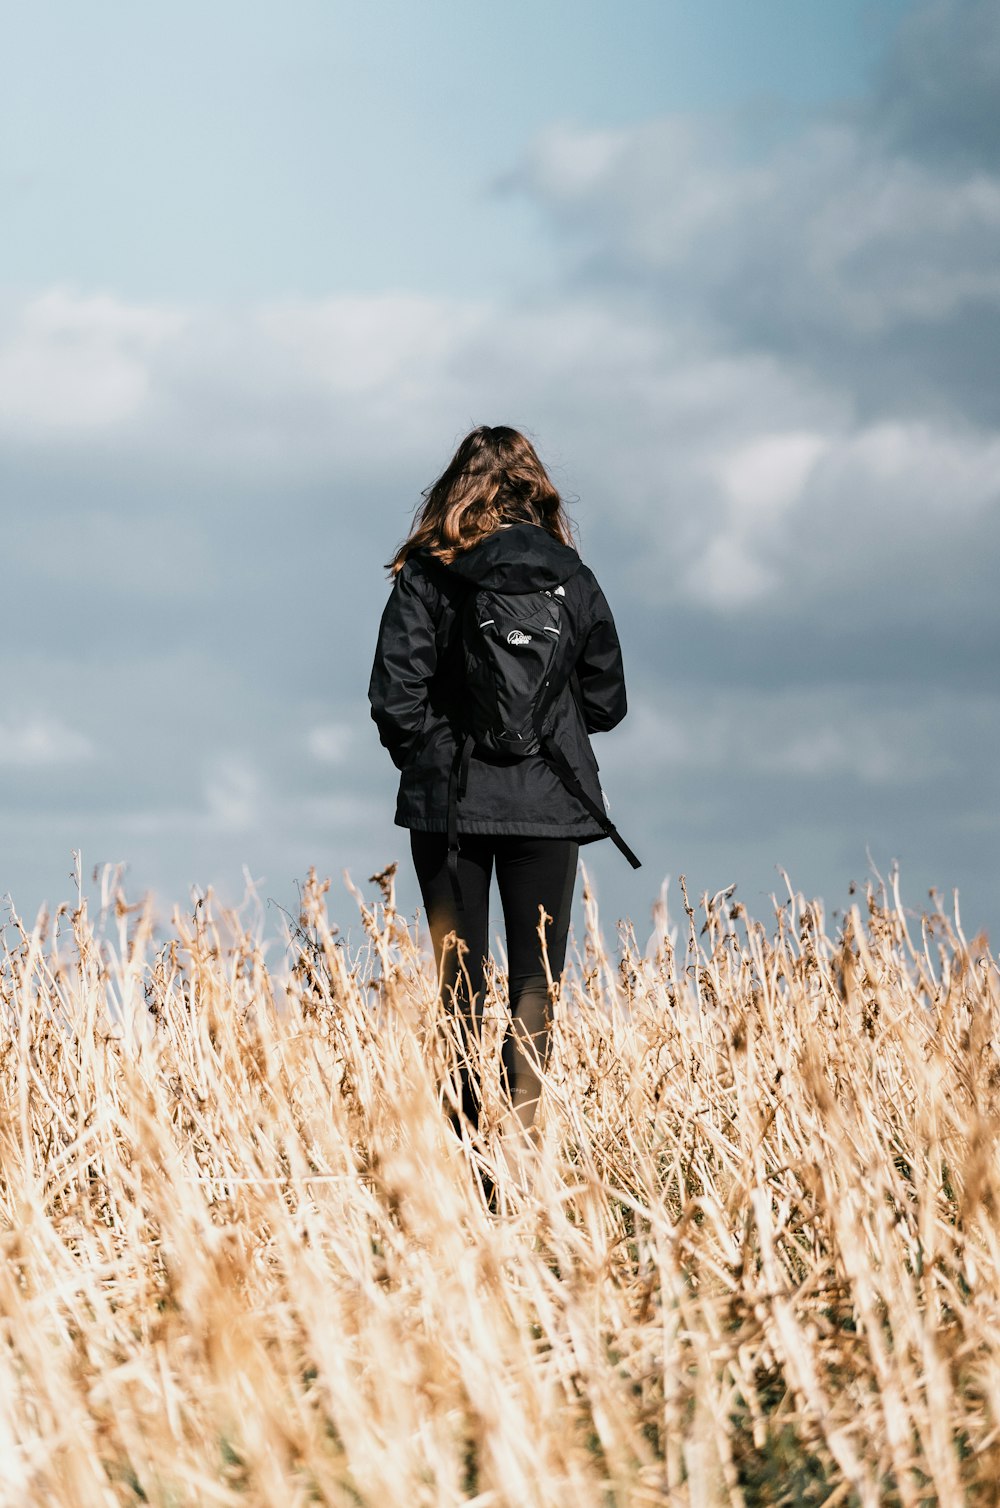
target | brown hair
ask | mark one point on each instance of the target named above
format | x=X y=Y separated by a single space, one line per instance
x=494 y=478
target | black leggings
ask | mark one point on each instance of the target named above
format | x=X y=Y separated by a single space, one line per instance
x=531 y=872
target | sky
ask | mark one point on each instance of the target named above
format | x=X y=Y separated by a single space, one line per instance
x=734 y=268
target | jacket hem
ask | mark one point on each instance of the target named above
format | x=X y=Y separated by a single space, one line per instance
x=584 y=833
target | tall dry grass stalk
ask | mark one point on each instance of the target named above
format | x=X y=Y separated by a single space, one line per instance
x=247 y=1261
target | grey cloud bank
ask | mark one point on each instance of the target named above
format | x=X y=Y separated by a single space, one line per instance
x=767 y=374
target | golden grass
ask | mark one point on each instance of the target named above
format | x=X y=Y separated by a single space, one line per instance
x=246 y=1261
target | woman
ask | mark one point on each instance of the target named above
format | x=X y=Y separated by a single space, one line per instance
x=493 y=529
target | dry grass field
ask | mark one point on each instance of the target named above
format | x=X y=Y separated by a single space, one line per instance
x=245 y=1260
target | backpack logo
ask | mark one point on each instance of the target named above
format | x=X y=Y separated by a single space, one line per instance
x=517 y=636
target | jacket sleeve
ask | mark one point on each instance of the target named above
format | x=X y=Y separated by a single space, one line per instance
x=405 y=661
x=599 y=670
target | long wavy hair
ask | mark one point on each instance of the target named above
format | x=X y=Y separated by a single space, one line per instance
x=494 y=478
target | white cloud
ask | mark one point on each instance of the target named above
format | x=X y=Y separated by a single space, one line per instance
x=931 y=469
x=802 y=512
x=73 y=363
x=727 y=575
x=362 y=345
x=41 y=742
x=765 y=477
x=64 y=314
x=232 y=792
x=723 y=471
x=231 y=801
x=330 y=743
x=761 y=480
x=831 y=231
x=568 y=162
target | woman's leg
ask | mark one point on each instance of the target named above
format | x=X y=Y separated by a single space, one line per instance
x=532 y=872
x=475 y=865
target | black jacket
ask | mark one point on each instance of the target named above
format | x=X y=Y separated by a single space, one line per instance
x=416 y=688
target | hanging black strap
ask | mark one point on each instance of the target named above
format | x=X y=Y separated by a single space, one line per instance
x=458 y=779
x=557 y=761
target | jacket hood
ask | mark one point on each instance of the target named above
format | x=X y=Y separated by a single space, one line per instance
x=518 y=558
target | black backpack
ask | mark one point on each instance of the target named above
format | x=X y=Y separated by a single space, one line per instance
x=517 y=663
